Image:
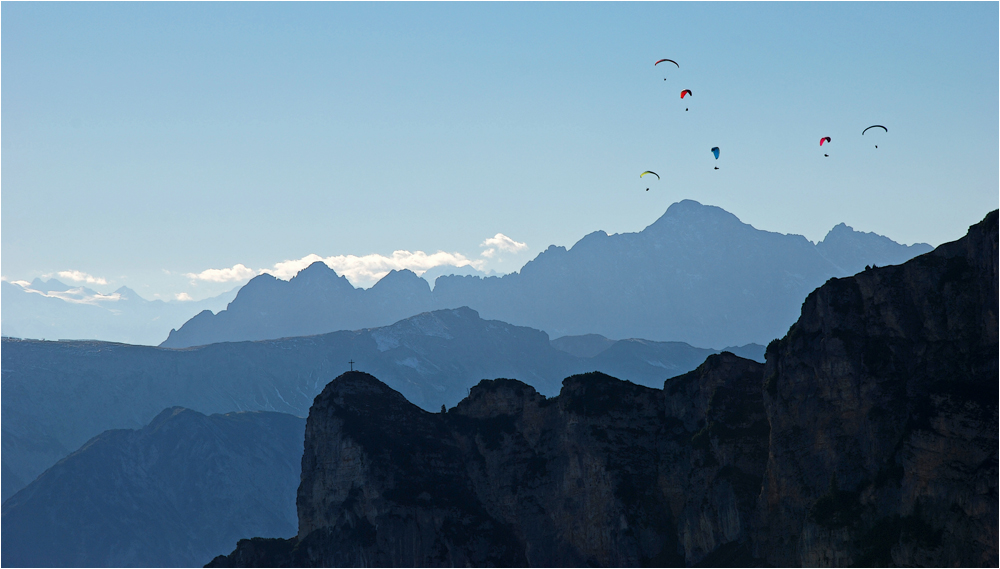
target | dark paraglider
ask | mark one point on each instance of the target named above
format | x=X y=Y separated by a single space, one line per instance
x=649 y=172
x=874 y=126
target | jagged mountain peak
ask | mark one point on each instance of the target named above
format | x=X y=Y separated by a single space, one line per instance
x=403 y=280
x=125 y=293
x=319 y=273
x=690 y=213
x=49 y=285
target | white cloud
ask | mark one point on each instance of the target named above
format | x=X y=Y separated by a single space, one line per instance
x=288 y=269
x=237 y=272
x=183 y=296
x=503 y=243
x=366 y=270
x=22 y=284
x=82 y=277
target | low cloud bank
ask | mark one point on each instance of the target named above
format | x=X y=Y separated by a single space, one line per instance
x=81 y=277
x=503 y=243
x=366 y=270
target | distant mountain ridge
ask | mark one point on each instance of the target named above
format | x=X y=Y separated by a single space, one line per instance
x=697 y=274
x=174 y=493
x=54 y=310
x=56 y=395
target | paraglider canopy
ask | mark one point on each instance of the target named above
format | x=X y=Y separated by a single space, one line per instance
x=824 y=139
x=650 y=172
x=875 y=126
x=670 y=60
x=715 y=150
x=686 y=92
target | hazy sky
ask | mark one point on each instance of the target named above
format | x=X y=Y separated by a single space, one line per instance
x=144 y=144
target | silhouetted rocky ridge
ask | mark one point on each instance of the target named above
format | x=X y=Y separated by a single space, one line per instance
x=868 y=438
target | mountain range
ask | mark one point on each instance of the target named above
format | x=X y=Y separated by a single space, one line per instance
x=868 y=438
x=697 y=275
x=733 y=464
x=54 y=310
x=57 y=395
x=175 y=493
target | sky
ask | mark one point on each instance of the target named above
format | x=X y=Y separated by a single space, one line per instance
x=181 y=148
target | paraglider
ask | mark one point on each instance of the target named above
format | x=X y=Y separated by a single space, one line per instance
x=670 y=60
x=715 y=150
x=686 y=92
x=824 y=139
x=874 y=126
x=649 y=172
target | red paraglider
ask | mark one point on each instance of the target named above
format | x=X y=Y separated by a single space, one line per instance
x=824 y=139
x=686 y=92
x=670 y=60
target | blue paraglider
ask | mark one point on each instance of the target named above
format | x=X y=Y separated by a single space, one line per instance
x=715 y=150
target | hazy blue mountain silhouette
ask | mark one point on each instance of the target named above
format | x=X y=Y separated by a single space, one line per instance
x=696 y=275
x=56 y=395
x=53 y=310
x=175 y=493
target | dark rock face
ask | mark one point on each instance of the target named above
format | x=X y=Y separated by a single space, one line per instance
x=603 y=474
x=696 y=275
x=883 y=407
x=175 y=493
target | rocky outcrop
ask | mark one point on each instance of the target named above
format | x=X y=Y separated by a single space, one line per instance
x=175 y=493
x=604 y=474
x=882 y=400
x=868 y=438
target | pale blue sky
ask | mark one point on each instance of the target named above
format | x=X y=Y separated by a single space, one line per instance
x=142 y=142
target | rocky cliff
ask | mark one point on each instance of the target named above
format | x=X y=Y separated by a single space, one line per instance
x=868 y=438
x=607 y=473
x=882 y=400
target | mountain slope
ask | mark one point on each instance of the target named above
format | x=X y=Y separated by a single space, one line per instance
x=696 y=275
x=174 y=493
